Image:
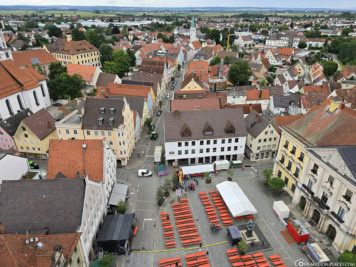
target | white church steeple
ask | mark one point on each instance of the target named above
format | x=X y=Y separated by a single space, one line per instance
x=193 y=31
x=5 y=53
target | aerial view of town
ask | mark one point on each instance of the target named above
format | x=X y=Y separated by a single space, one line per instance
x=145 y=133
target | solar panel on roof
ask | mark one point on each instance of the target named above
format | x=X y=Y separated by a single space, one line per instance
x=35 y=60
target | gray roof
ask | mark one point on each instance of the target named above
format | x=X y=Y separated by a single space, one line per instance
x=41 y=123
x=285 y=101
x=105 y=78
x=281 y=78
x=55 y=204
x=255 y=123
x=274 y=90
x=11 y=124
x=135 y=102
x=348 y=154
x=196 y=121
x=92 y=113
x=116 y=227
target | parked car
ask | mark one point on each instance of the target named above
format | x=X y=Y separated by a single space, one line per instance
x=57 y=104
x=144 y=173
x=159 y=112
x=154 y=136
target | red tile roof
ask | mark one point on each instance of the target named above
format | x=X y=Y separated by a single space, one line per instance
x=324 y=127
x=124 y=90
x=15 y=252
x=62 y=46
x=87 y=72
x=284 y=120
x=23 y=58
x=256 y=94
x=67 y=157
x=247 y=108
x=195 y=104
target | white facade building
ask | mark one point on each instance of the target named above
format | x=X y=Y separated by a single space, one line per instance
x=5 y=52
x=195 y=137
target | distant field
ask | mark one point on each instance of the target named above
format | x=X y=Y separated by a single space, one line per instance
x=92 y=14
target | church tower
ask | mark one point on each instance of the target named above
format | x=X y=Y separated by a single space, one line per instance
x=193 y=31
x=5 y=53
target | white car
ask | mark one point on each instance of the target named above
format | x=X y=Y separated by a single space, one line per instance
x=168 y=96
x=144 y=173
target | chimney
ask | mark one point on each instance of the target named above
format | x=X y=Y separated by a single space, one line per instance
x=220 y=102
x=49 y=124
x=184 y=96
x=176 y=113
x=250 y=107
x=2 y=229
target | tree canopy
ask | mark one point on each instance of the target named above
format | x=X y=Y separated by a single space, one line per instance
x=239 y=73
x=120 y=64
x=329 y=67
x=347 y=258
x=105 y=53
x=53 y=30
x=215 y=61
x=64 y=86
x=302 y=45
x=55 y=69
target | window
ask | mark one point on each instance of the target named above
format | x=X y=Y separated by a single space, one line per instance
x=179 y=152
x=222 y=149
x=315 y=169
x=259 y=140
x=26 y=136
x=271 y=132
x=33 y=149
x=78 y=260
x=21 y=147
x=38 y=149
x=42 y=90
x=208 y=142
x=310 y=184
x=235 y=148
x=293 y=150
x=201 y=143
x=258 y=148
x=193 y=151
x=348 y=195
x=215 y=142
x=341 y=213
x=223 y=141
x=9 y=108
x=265 y=140
x=110 y=142
x=229 y=148
x=27 y=148
x=301 y=156
x=286 y=144
x=236 y=140
x=331 y=180
x=293 y=188
x=96 y=133
x=279 y=174
x=102 y=133
x=286 y=180
x=20 y=102
x=229 y=140
x=109 y=133
x=35 y=97
x=186 y=143
x=324 y=198
x=193 y=143
x=266 y=132
x=270 y=139
x=201 y=150
x=75 y=131
x=296 y=172
x=88 y=133
x=289 y=166
x=282 y=159
x=274 y=139
x=179 y=144
x=207 y=150
x=257 y=156
x=214 y=149
x=186 y=152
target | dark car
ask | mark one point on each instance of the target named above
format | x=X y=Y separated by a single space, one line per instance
x=57 y=104
x=159 y=112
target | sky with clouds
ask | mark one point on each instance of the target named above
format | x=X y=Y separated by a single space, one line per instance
x=349 y=4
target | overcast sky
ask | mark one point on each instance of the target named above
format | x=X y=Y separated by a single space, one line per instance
x=350 y=4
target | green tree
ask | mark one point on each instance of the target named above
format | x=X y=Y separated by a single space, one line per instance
x=167 y=185
x=55 y=69
x=40 y=41
x=77 y=35
x=239 y=73
x=148 y=123
x=107 y=260
x=346 y=31
x=29 y=25
x=214 y=35
x=270 y=80
x=276 y=184
x=302 y=45
x=160 y=195
x=330 y=67
x=227 y=60
x=120 y=64
x=267 y=173
x=65 y=86
x=121 y=207
x=215 y=61
x=132 y=56
x=95 y=38
x=105 y=53
x=53 y=30
x=115 y=30
x=347 y=257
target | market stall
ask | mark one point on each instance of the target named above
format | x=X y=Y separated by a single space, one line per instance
x=235 y=199
x=197 y=170
x=315 y=253
x=298 y=231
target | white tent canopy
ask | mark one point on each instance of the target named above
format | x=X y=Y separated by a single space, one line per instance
x=197 y=169
x=235 y=199
x=118 y=193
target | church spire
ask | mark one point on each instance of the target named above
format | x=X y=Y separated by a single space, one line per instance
x=193 y=23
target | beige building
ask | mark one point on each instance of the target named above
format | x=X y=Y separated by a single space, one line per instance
x=34 y=133
x=262 y=137
x=102 y=118
x=327 y=194
x=75 y=52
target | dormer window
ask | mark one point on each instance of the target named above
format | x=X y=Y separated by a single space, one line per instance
x=185 y=132
x=102 y=110
x=229 y=128
x=111 y=121
x=112 y=110
x=101 y=120
x=208 y=130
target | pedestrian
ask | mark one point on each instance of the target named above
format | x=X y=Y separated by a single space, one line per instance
x=200 y=245
x=193 y=187
x=167 y=217
x=207 y=252
x=177 y=263
x=197 y=182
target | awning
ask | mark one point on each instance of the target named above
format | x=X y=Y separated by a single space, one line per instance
x=119 y=192
x=198 y=169
x=235 y=199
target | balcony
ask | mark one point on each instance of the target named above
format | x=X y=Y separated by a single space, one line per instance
x=340 y=220
x=347 y=198
x=293 y=152
x=282 y=161
x=308 y=189
x=314 y=171
x=301 y=159
x=320 y=203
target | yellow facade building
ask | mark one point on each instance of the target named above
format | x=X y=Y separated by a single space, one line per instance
x=75 y=52
x=33 y=134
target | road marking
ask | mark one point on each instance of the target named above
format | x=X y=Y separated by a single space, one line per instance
x=146 y=219
x=144 y=210
x=253 y=169
x=138 y=185
x=145 y=201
